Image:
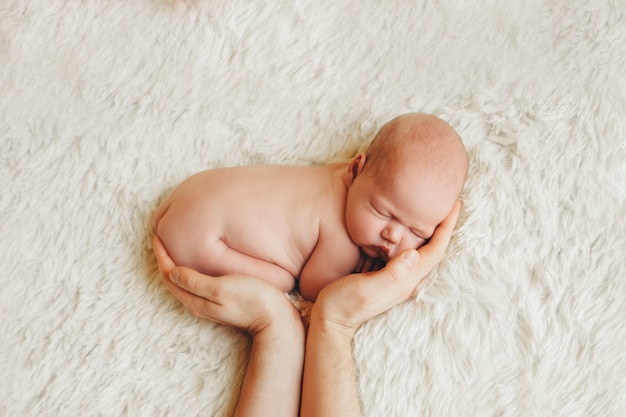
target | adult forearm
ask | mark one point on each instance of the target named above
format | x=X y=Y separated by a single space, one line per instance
x=329 y=386
x=271 y=386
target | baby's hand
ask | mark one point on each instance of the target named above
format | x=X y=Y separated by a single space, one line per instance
x=368 y=264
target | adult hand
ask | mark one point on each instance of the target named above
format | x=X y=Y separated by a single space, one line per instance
x=240 y=301
x=329 y=385
x=258 y=308
x=350 y=301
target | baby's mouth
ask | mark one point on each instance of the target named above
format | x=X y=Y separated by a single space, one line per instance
x=383 y=253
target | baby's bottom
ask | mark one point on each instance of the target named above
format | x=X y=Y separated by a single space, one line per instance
x=174 y=224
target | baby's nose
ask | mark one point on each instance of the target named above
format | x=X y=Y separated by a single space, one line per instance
x=392 y=233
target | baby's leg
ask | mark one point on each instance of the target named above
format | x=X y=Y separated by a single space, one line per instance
x=178 y=226
x=220 y=259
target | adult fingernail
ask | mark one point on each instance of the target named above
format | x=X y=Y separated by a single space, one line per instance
x=410 y=255
x=175 y=277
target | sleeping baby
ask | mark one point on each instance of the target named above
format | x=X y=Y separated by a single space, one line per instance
x=309 y=225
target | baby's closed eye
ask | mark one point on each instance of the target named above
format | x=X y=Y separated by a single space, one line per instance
x=417 y=234
x=380 y=213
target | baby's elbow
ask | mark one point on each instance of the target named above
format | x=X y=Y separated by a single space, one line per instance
x=309 y=295
x=308 y=289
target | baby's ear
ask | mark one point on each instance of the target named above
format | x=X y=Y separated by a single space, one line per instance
x=354 y=169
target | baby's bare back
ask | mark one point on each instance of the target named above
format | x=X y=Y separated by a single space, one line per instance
x=258 y=220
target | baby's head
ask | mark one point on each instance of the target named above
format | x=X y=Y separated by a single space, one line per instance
x=404 y=185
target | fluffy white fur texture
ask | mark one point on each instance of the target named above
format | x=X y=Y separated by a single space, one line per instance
x=107 y=105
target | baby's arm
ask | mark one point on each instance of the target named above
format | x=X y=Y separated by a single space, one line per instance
x=330 y=260
x=220 y=259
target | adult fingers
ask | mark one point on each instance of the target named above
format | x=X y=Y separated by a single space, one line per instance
x=185 y=283
x=193 y=282
x=433 y=251
x=395 y=282
x=197 y=305
x=352 y=300
x=404 y=272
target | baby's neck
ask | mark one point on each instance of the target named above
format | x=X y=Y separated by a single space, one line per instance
x=335 y=172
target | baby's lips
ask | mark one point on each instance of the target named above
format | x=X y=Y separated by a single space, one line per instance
x=383 y=253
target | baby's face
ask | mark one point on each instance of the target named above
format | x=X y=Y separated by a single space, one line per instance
x=386 y=219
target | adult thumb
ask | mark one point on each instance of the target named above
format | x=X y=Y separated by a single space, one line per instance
x=411 y=257
x=404 y=267
x=195 y=282
x=174 y=275
x=184 y=278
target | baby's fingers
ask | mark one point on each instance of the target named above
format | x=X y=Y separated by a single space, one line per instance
x=359 y=265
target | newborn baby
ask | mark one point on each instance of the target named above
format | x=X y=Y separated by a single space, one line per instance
x=314 y=223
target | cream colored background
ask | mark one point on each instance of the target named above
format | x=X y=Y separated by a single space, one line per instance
x=107 y=105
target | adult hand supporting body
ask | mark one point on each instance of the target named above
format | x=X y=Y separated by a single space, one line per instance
x=271 y=386
x=272 y=382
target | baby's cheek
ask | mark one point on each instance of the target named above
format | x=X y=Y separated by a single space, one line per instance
x=404 y=245
x=419 y=243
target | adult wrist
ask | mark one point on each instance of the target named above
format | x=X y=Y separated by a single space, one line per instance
x=284 y=328
x=326 y=324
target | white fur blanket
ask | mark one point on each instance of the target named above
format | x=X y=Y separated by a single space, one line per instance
x=107 y=105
